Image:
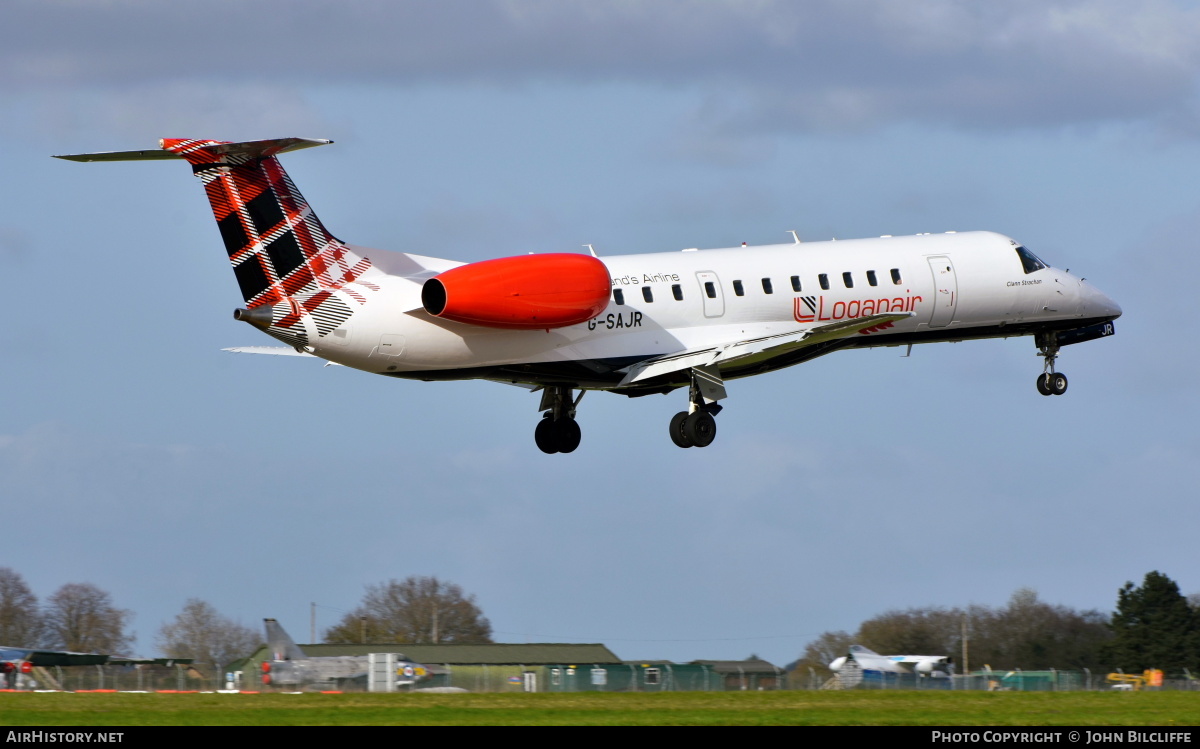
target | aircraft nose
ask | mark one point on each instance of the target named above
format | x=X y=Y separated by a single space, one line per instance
x=1099 y=304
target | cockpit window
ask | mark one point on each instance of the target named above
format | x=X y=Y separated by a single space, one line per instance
x=1029 y=261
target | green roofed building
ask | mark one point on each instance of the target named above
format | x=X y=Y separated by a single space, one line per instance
x=492 y=667
x=546 y=667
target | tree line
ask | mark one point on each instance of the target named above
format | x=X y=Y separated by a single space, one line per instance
x=81 y=617
x=78 y=616
x=1153 y=626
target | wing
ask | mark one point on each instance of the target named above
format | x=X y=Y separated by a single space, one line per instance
x=773 y=345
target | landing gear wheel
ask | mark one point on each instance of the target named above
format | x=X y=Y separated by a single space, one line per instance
x=1057 y=383
x=568 y=434
x=700 y=428
x=546 y=436
x=1043 y=385
x=677 y=436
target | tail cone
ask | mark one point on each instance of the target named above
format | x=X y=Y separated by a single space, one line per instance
x=259 y=317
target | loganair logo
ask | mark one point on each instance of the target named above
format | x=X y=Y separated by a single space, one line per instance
x=813 y=309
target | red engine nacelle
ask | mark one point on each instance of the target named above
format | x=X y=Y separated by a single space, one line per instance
x=528 y=292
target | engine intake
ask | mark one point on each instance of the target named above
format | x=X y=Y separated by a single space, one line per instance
x=527 y=292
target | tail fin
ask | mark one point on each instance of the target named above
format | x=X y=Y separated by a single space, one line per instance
x=277 y=245
x=281 y=645
x=282 y=255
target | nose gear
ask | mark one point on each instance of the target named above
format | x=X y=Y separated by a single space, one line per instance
x=1049 y=382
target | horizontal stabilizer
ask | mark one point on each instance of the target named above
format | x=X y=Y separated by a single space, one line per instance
x=253 y=149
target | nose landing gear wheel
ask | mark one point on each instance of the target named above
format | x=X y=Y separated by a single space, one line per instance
x=1057 y=383
x=1042 y=384
x=1052 y=383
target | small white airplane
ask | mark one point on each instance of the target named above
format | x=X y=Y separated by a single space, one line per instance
x=633 y=324
x=868 y=660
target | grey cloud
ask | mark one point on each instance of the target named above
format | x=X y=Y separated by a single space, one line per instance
x=778 y=65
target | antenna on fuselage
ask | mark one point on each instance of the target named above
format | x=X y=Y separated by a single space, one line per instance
x=591 y=250
x=795 y=236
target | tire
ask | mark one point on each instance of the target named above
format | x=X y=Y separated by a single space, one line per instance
x=1042 y=385
x=546 y=436
x=677 y=435
x=567 y=434
x=1058 y=383
x=700 y=428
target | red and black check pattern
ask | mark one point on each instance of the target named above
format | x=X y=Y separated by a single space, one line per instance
x=281 y=253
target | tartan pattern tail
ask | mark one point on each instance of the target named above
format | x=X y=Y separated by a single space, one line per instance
x=280 y=252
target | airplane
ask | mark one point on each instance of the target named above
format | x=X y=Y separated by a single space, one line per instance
x=16 y=662
x=566 y=323
x=861 y=659
x=21 y=661
x=289 y=666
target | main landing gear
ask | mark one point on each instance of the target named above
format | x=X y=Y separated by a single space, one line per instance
x=558 y=432
x=1049 y=382
x=697 y=426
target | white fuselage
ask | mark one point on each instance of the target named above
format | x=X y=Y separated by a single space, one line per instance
x=956 y=285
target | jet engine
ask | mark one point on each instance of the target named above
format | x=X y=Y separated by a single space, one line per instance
x=527 y=292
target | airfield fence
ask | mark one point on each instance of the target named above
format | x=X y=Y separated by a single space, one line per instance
x=1016 y=680
x=495 y=678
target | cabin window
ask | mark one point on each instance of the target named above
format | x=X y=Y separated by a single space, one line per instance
x=618 y=296
x=795 y=283
x=710 y=289
x=823 y=279
x=767 y=287
x=653 y=675
x=1029 y=261
x=647 y=293
x=871 y=279
x=737 y=288
x=677 y=292
x=848 y=280
x=896 y=276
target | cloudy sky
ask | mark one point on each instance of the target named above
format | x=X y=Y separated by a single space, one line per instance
x=135 y=455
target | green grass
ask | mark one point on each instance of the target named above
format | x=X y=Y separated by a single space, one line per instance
x=589 y=708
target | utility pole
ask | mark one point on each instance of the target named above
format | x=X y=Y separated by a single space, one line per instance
x=966 y=663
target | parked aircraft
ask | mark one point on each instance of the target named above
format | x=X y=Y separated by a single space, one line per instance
x=15 y=662
x=289 y=666
x=564 y=324
x=866 y=659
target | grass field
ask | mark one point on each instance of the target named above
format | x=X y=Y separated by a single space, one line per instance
x=590 y=708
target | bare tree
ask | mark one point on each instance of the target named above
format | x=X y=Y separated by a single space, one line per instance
x=413 y=610
x=20 y=619
x=820 y=653
x=1027 y=633
x=81 y=617
x=201 y=633
x=922 y=631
